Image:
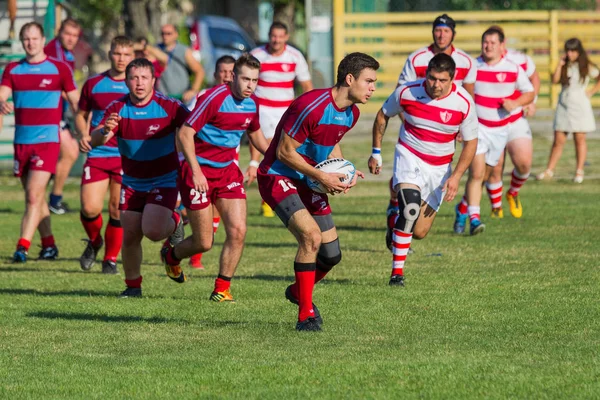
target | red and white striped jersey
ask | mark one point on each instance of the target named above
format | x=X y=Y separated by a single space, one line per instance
x=431 y=125
x=494 y=84
x=522 y=60
x=277 y=74
x=416 y=66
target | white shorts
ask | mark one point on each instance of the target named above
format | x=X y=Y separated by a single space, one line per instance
x=492 y=142
x=269 y=119
x=519 y=129
x=408 y=168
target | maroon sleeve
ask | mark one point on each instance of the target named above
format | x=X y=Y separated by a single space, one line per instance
x=297 y=124
x=204 y=111
x=66 y=76
x=255 y=124
x=6 y=79
x=181 y=114
x=86 y=96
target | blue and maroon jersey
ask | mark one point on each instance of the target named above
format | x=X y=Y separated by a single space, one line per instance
x=146 y=137
x=97 y=93
x=220 y=119
x=36 y=91
x=55 y=50
x=317 y=123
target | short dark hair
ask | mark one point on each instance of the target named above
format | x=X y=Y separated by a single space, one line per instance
x=122 y=41
x=278 y=25
x=224 y=60
x=494 y=30
x=248 y=60
x=69 y=22
x=139 y=63
x=442 y=62
x=29 y=25
x=353 y=64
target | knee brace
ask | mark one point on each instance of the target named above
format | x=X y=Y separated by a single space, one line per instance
x=329 y=255
x=410 y=206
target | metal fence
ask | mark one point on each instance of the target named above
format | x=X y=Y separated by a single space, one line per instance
x=391 y=37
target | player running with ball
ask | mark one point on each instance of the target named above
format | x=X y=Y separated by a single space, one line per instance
x=435 y=109
x=307 y=134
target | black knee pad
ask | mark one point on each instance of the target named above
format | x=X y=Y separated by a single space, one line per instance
x=329 y=255
x=409 y=201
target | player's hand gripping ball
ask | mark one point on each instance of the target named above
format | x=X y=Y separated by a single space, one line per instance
x=337 y=165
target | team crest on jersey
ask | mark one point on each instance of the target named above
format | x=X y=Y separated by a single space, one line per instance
x=285 y=67
x=153 y=129
x=246 y=123
x=45 y=82
x=445 y=116
x=501 y=76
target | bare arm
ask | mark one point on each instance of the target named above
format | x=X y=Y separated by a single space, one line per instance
x=306 y=86
x=470 y=88
x=336 y=152
x=379 y=127
x=82 y=127
x=99 y=138
x=557 y=71
x=466 y=157
x=594 y=89
x=161 y=56
x=5 y=106
x=287 y=154
x=257 y=145
x=73 y=99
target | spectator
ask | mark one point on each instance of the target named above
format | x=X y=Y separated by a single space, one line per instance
x=175 y=80
x=574 y=110
x=156 y=56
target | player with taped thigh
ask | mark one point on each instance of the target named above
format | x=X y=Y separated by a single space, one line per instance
x=498 y=104
x=61 y=48
x=145 y=123
x=309 y=132
x=281 y=66
x=519 y=146
x=102 y=169
x=208 y=175
x=435 y=109
x=36 y=83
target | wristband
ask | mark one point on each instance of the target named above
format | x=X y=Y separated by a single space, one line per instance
x=254 y=163
x=377 y=157
x=535 y=99
x=376 y=150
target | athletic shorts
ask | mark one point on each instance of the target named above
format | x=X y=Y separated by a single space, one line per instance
x=100 y=168
x=276 y=188
x=269 y=119
x=519 y=129
x=132 y=200
x=408 y=168
x=492 y=142
x=35 y=157
x=223 y=183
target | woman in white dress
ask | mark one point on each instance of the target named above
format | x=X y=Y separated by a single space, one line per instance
x=574 y=110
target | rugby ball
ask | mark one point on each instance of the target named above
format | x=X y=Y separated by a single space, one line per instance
x=338 y=165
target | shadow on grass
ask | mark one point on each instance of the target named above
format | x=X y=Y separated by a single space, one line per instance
x=290 y=279
x=80 y=293
x=136 y=318
x=11 y=267
x=339 y=227
x=6 y=210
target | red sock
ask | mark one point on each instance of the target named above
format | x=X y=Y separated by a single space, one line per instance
x=394 y=203
x=462 y=206
x=113 y=238
x=171 y=259
x=196 y=258
x=305 y=281
x=134 y=283
x=494 y=191
x=25 y=243
x=176 y=218
x=222 y=283
x=48 y=241
x=92 y=227
x=216 y=221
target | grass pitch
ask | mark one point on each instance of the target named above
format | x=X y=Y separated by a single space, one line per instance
x=511 y=313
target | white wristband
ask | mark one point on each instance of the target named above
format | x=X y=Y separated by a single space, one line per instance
x=378 y=158
x=254 y=163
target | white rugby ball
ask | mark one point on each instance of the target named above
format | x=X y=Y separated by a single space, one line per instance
x=338 y=165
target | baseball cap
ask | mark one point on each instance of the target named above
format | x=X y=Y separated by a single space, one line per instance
x=444 y=20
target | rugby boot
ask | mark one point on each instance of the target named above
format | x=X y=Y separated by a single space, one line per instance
x=516 y=209
x=292 y=299
x=179 y=234
x=221 y=297
x=20 y=256
x=497 y=213
x=173 y=271
x=131 y=292
x=391 y=215
x=477 y=227
x=59 y=208
x=460 y=221
x=397 y=280
x=308 y=325
x=48 y=253
x=109 y=267
x=88 y=258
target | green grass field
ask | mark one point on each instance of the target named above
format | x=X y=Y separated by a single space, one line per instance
x=511 y=313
